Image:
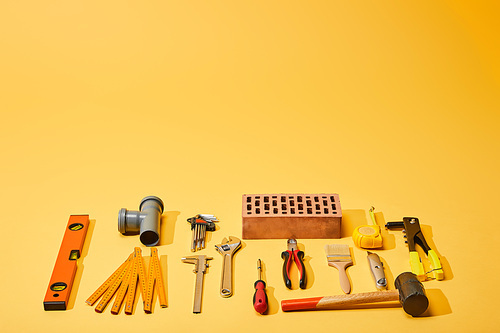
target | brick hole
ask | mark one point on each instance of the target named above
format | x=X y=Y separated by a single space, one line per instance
x=323 y=197
x=266 y=206
x=249 y=207
x=292 y=210
x=308 y=197
x=318 y=212
x=257 y=197
x=257 y=210
x=301 y=206
x=283 y=199
x=299 y=199
x=332 y=198
x=257 y=202
x=283 y=206
x=325 y=210
x=266 y=199
x=309 y=211
x=301 y=212
x=317 y=207
x=316 y=199
x=275 y=210
x=275 y=203
x=333 y=207
x=249 y=199
x=308 y=202
x=325 y=203
x=292 y=203
x=274 y=197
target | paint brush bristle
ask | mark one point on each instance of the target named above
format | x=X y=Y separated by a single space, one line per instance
x=338 y=252
x=339 y=256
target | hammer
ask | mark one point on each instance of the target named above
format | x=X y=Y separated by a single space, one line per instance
x=410 y=293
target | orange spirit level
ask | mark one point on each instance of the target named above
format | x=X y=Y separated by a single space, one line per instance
x=64 y=272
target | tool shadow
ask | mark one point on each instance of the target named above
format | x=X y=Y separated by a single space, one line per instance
x=307 y=265
x=81 y=266
x=233 y=264
x=388 y=274
x=208 y=235
x=427 y=231
x=273 y=305
x=167 y=227
x=351 y=218
x=438 y=304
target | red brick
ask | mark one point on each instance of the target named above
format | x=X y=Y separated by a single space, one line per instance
x=267 y=216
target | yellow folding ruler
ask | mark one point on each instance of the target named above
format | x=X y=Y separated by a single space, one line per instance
x=123 y=282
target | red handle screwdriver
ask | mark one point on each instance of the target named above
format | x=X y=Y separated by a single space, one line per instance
x=260 y=296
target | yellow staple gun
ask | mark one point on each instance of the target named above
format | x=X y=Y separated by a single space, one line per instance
x=414 y=236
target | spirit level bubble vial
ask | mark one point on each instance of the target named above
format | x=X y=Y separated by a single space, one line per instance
x=64 y=272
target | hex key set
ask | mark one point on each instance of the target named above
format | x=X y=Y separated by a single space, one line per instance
x=264 y=216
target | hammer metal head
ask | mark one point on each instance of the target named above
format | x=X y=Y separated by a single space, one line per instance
x=411 y=294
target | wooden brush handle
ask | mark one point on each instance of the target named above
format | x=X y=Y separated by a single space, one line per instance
x=339 y=301
x=345 y=284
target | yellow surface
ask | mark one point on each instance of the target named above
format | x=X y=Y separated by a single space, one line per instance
x=391 y=104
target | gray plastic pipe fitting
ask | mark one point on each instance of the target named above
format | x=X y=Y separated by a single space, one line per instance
x=145 y=222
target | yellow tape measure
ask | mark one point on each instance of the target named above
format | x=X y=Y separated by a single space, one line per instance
x=124 y=282
x=368 y=236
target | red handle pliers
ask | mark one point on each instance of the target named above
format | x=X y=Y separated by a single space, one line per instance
x=293 y=254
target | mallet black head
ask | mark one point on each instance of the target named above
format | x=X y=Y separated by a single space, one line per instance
x=411 y=294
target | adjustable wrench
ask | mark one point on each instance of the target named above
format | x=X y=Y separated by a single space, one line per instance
x=227 y=248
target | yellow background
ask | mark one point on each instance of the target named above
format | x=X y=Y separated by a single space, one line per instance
x=391 y=104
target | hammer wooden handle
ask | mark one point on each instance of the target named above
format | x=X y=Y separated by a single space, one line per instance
x=339 y=301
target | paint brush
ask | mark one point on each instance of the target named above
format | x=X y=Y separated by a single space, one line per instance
x=339 y=256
